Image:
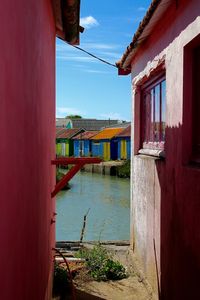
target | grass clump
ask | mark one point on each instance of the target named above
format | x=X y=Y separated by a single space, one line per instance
x=124 y=170
x=100 y=264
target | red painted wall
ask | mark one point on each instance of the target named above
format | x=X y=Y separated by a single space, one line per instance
x=178 y=180
x=27 y=124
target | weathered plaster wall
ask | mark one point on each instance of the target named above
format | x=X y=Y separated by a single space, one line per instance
x=27 y=124
x=146 y=224
x=165 y=194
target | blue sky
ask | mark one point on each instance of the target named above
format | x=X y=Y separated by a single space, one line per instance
x=86 y=86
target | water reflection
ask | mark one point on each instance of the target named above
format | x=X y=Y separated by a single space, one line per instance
x=109 y=201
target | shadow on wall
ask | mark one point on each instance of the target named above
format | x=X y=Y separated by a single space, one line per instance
x=180 y=219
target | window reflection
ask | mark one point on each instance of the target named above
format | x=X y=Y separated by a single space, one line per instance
x=154 y=112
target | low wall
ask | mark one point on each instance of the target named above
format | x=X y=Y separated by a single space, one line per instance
x=105 y=168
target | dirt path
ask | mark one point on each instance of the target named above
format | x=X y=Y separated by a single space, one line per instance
x=125 y=289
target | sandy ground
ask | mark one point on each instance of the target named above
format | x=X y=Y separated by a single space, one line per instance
x=127 y=289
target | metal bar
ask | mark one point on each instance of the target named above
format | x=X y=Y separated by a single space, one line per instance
x=66 y=178
x=75 y=161
x=69 y=272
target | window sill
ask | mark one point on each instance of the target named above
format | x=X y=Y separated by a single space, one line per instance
x=152 y=152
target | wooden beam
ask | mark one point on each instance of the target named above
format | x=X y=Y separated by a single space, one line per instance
x=66 y=178
x=74 y=161
x=78 y=164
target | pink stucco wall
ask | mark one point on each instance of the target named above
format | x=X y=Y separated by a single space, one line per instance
x=27 y=110
x=166 y=193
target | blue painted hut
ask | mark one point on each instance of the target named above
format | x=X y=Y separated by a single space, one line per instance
x=124 y=143
x=64 y=141
x=105 y=145
x=83 y=143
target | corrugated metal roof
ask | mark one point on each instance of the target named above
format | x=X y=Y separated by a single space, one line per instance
x=120 y=125
x=87 y=124
x=156 y=9
x=107 y=133
x=85 y=135
x=68 y=133
x=125 y=133
x=59 y=130
x=92 y=124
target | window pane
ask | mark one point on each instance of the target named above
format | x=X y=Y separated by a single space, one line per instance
x=157 y=114
x=154 y=110
x=163 y=109
x=196 y=103
x=147 y=116
x=151 y=137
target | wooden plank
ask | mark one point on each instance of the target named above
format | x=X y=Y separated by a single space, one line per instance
x=70 y=259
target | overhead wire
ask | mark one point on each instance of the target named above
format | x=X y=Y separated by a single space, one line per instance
x=94 y=56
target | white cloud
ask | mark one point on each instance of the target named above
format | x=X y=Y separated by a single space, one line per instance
x=63 y=48
x=99 y=46
x=64 y=111
x=141 y=8
x=95 y=71
x=106 y=51
x=102 y=50
x=76 y=58
x=73 y=57
x=111 y=115
x=112 y=55
x=88 y=22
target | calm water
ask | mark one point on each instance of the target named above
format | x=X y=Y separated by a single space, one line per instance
x=108 y=199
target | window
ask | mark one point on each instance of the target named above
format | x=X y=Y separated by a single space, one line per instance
x=196 y=105
x=153 y=114
x=191 y=103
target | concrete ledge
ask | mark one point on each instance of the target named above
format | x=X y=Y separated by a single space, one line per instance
x=152 y=152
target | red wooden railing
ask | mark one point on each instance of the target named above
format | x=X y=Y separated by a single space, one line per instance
x=78 y=164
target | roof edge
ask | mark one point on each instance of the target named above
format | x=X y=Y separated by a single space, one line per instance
x=67 y=20
x=122 y=68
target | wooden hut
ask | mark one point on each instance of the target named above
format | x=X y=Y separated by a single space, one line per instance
x=64 y=141
x=83 y=143
x=105 y=145
x=164 y=61
x=124 y=143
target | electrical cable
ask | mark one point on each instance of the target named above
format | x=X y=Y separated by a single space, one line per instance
x=96 y=57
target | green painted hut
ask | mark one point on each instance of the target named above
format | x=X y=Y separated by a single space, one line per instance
x=64 y=141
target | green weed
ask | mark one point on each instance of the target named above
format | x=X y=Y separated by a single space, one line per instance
x=100 y=264
x=124 y=170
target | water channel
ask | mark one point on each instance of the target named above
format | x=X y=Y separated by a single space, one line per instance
x=108 y=199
